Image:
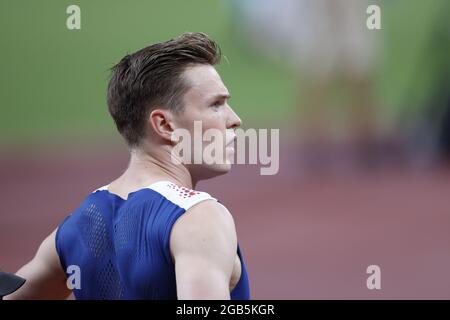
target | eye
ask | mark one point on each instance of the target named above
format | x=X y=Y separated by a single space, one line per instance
x=217 y=103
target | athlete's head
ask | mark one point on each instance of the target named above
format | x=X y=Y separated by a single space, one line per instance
x=166 y=88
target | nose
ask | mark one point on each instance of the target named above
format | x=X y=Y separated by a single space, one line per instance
x=233 y=119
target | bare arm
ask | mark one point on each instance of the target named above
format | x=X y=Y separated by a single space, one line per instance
x=45 y=278
x=203 y=244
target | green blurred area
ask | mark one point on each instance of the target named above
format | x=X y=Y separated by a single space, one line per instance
x=413 y=70
x=53 y=80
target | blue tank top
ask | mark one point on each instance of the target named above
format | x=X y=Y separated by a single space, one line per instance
x=122 y=246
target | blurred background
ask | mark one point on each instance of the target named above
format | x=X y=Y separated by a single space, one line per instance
x=364 y=119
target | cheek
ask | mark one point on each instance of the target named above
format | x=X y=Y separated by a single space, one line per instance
x=215 y=119
x=210 y=119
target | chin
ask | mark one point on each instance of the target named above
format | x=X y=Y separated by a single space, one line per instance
x=222 y=168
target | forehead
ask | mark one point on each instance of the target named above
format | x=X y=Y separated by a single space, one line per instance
x=204 y=82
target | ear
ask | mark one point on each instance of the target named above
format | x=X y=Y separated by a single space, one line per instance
x=160 y=120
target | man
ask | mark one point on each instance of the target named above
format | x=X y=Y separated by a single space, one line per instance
x=148 y=234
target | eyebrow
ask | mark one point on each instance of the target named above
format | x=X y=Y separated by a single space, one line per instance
x=220 y=96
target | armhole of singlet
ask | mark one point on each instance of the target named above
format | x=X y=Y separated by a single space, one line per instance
x=58 y=243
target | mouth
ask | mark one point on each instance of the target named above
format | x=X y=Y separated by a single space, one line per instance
x=231 y=142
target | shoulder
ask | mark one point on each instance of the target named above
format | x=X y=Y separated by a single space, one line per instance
x=205 y=227
x=210 y=214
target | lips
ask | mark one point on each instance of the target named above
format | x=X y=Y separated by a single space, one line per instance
x=231 y=142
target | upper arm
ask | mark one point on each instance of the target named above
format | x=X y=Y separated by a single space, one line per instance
x=203 y=243
x=45 y=278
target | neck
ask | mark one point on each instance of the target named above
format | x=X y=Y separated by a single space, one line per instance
x=147 y=167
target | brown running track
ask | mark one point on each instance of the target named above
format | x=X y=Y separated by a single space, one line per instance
x=303 y=236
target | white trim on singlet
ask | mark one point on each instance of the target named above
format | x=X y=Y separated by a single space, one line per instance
x=181 y=196
x=101 y=188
